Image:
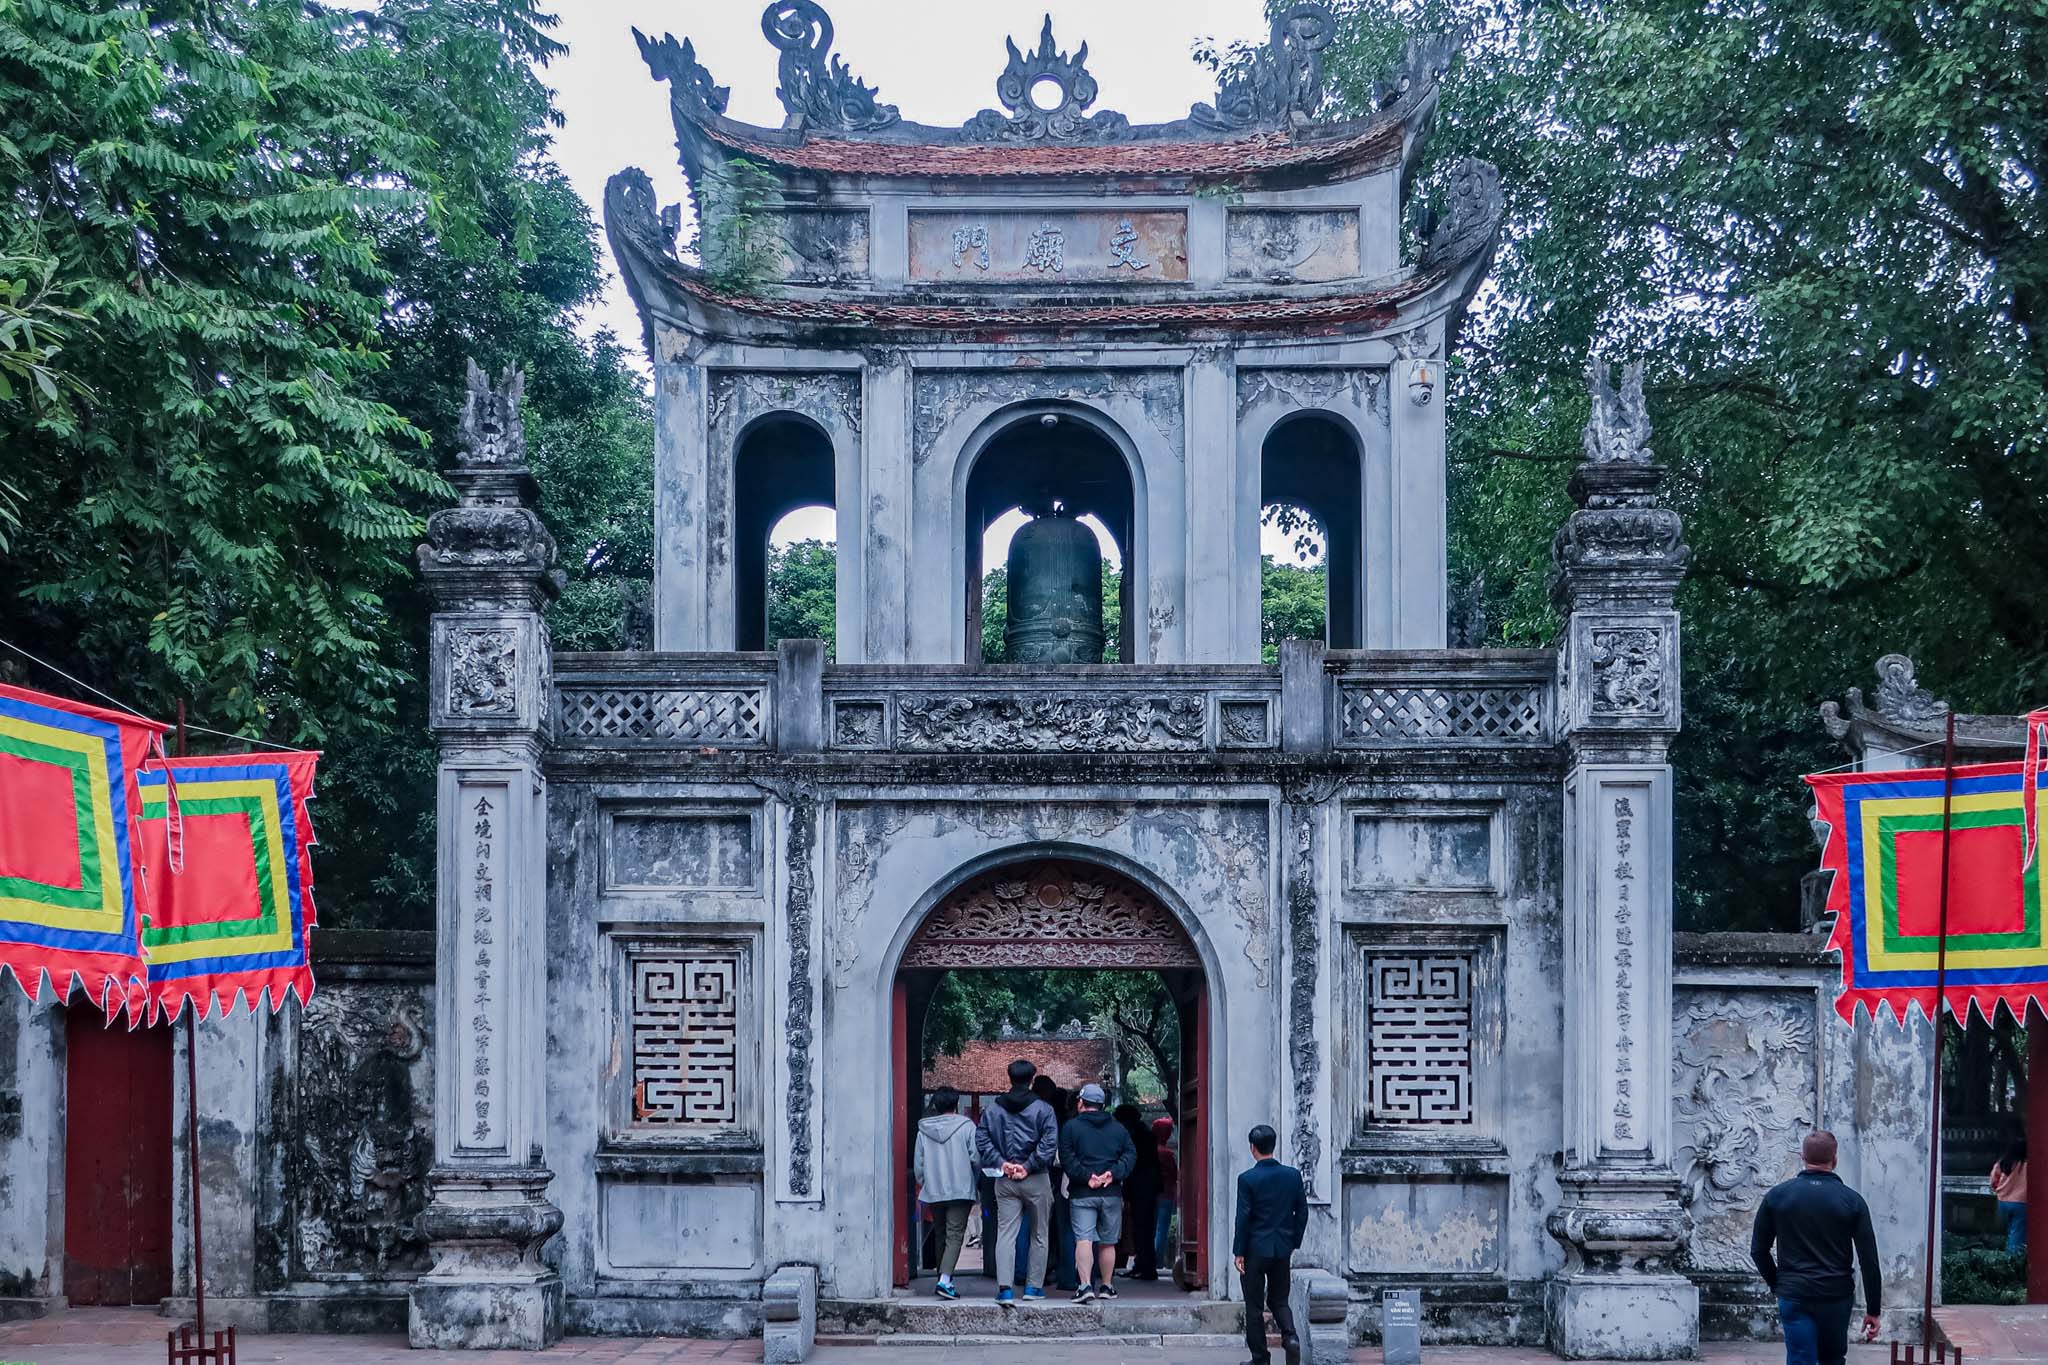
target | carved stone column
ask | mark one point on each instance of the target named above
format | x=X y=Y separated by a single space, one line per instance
x=489 y=564
x=1619 y=559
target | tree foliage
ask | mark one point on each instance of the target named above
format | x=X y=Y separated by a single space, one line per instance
x=1821 y=222
x=1133 y=1007
x=248 y=246
x=803 y=591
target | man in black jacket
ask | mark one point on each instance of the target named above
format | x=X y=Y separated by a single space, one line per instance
x=1817 y=1223
x=1017 y=1140
x=1272 y=1218
x=1097 y=1154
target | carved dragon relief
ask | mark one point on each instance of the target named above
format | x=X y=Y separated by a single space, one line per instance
x=1744 y=1088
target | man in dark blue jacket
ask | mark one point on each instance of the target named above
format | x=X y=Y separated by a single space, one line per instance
x=1097 y=1155
x=1272 y=1218
x=1817 y=1223
x=1018 y=1139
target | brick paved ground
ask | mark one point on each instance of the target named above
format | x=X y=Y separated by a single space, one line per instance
x=136 y=1337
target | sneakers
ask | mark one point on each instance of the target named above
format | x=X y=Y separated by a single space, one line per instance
x=1006 y=1295
x=946 y=1291
x=1085 y=1294
x=1105 y=1291
x=1034 y=1292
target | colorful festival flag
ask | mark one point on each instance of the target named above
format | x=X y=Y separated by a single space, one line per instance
x=234 y=914
x=1884 y=846
x=70 y=894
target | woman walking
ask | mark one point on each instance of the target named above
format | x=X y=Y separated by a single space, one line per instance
x=945 y=1178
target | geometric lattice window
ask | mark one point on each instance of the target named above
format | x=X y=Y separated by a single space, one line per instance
x=684 y=1018
x=1419 y=1063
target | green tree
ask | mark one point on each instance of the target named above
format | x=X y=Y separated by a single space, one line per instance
x=1293 y=604
x=1133 y=1007
x=803 y=591
x=1827 y=239
x=271 y=231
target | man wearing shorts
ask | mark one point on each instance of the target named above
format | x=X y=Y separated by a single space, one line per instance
x=1097 y=1155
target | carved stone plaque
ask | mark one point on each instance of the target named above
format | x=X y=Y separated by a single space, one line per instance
x=1058 y=246
x=1291 y=245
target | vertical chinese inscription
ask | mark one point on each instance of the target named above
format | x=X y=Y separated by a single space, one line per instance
x=1622 y=1112
x=685 y=1020
x=1419 y=1014
x=483 y=838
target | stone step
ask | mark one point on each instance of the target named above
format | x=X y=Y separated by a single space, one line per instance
x=1198 y=1341
x=1147 y=1320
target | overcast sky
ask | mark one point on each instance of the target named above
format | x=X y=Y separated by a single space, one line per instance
x=935 y=60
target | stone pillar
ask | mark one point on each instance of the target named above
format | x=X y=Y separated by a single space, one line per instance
x=489 y=564
x=1619 y=559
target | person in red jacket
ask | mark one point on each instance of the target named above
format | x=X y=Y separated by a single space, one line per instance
x=1169 y=1194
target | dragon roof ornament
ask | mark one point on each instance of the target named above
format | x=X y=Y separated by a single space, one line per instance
x=815 y=87
x=1618 y=428
x=1282 y=80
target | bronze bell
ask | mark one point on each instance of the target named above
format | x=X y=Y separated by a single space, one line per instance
x=1055 y=591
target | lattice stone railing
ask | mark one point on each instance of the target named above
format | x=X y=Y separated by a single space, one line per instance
x=1371 y=700
x=710 y=701
x=1496 y=697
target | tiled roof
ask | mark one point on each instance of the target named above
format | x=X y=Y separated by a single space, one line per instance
x=1230 y=315
x=1261 y=152
x=982 y=1068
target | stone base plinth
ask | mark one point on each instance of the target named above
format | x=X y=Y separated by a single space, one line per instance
x=1624 y=1317
x=485 y=1315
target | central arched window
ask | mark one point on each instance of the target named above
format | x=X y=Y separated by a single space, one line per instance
x=1040 y=457
x=1311 y=494
x=784 y=462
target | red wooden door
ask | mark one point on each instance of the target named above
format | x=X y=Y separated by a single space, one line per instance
x=1194 y=1141
x=117 y=1162
x=903 y=1108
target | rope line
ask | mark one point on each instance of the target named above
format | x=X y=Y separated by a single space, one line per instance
x=117 y=703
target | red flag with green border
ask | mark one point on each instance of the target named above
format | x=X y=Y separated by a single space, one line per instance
x=71 y=894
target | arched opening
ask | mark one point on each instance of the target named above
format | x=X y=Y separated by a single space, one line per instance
x=1311 y=493
x=1065 y=916
x=803 y=577
x=783 y=462
x=1039 y=458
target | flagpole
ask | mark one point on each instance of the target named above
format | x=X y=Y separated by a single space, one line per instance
x=1948 y=787
x=192 y=1128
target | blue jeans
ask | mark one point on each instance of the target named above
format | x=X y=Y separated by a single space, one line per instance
x=1162 y=1235
x=2015 y=1216
x=1816 y=1330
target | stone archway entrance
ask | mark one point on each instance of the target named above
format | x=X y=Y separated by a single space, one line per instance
x=1056 y=913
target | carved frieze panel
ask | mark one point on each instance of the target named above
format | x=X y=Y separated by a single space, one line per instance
x=943 y=397
x=1419 y=849
x=1244 y=723
x=831 y=398
x=1744 y=1090
x=860 y=724
x=713 y=849
x=361 y=1131
x=824 y=246
x=1050 y=913
x=1051 y=723
x=1624 y=670
x=1360 y=390
x=1057 y=246
x=480 y=671
x=1290 y=246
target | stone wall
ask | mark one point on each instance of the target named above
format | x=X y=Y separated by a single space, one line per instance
x=1760 y=1058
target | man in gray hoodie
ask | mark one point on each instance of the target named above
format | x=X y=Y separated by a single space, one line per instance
x=946 y=1178
x=1017 y=1140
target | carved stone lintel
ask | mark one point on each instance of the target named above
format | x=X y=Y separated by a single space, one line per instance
x=1359 y=389
x=831 y=398
x=1028 y=120
x=1064 y=913
x=1051 y=723
x=814 y=87
x=1282 y=80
